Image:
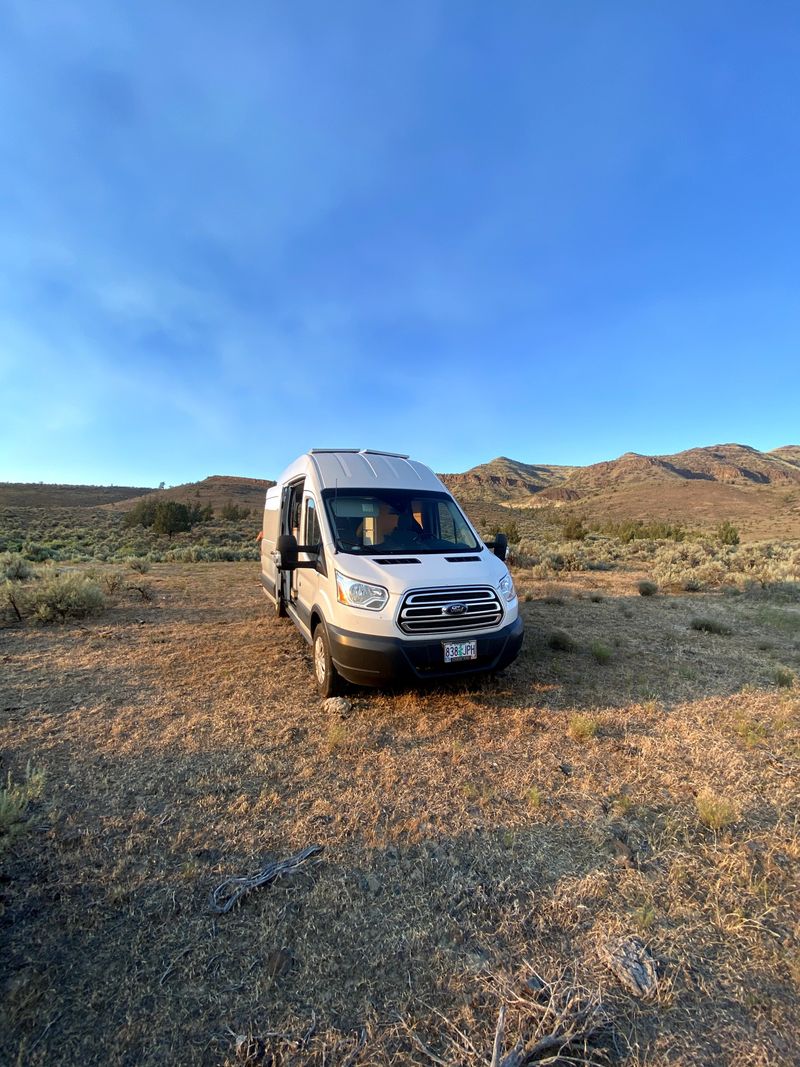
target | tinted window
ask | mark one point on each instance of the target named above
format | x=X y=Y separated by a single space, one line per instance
x=396 y=522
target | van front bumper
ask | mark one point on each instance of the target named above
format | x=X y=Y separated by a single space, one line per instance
x=368 y=660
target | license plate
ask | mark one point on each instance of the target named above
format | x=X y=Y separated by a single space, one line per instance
x=455 y=651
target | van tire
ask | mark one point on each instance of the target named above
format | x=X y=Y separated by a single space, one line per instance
x=328 y=679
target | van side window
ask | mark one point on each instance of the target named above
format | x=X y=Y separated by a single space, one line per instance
x=312 y=533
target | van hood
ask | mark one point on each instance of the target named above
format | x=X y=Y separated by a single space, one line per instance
x=426 y=570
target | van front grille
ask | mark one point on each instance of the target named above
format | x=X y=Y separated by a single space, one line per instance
x=430 y=611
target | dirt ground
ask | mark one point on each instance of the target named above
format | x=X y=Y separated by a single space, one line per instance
x=484 y=844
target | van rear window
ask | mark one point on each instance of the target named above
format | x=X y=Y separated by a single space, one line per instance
x=396 y=522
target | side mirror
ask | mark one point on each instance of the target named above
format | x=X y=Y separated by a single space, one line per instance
x=501 y=546
x=286 y=547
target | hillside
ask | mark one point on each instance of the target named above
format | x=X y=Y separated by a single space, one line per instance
x=505 y=479
x=729 y=464
x=217 y=490
x=758 y=491
x=41 y=495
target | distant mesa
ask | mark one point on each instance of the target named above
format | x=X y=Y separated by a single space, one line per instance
x=217 y=490
x=42 y=495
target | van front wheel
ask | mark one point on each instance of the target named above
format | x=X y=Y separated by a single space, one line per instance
x=329 y=683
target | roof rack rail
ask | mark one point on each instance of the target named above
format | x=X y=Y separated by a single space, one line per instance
x=359 y=452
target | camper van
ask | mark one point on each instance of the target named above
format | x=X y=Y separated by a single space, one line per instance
x=379 y=569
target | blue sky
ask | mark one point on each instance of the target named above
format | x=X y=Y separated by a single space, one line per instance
x=557 y=231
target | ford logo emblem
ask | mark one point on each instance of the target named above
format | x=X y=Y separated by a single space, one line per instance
x=455 y=609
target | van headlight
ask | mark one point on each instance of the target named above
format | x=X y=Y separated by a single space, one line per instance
x=360 y=594
x=506 y=587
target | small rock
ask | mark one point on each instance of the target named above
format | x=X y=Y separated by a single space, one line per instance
x=373 y=884
x=337 y=706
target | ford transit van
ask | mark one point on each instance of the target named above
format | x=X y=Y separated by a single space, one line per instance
x=379 y=569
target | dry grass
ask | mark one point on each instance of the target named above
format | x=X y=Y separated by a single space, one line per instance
x=475 y=852
x=714 y=811
x=583 y=727
x=15 y=800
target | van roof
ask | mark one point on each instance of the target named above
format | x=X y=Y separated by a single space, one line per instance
x=365 y=467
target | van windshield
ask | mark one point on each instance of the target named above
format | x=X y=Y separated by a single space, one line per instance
x=396 y=522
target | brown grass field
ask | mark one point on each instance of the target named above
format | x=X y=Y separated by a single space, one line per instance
x=484 y=844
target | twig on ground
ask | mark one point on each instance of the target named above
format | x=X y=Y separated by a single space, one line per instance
x=421 y=1044
x=232 y=890
x=497 y=1049
x=46 y=1030
x=169 y=969
x=568 y=1019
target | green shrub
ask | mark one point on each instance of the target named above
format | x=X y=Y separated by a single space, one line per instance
x=637 y=530
x=171 y=518
x=138 y=564
x=37 y=553
x=14 y=568
x=601 y=652
x=727 y=534
x=232 y=513
x=14 y=597
x=510 y=529
x=783 y=678
x=573 y=529
x=647 y=588
x=65 y=596
x=141 y=514
x=710 y=626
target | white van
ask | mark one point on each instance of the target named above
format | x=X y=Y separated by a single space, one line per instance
x=377 y=566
